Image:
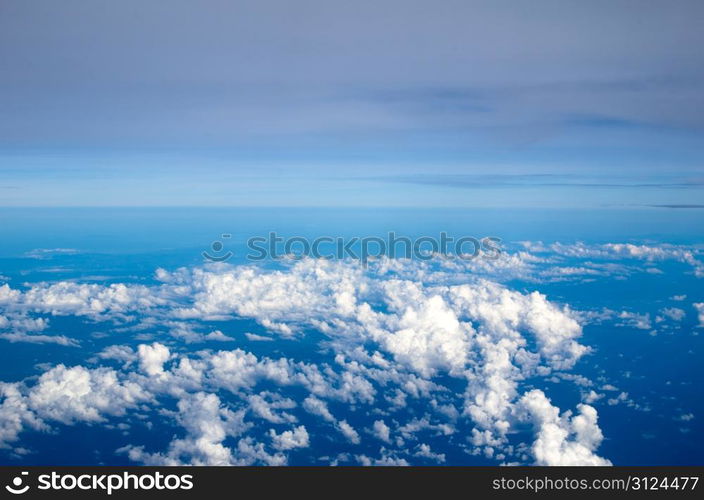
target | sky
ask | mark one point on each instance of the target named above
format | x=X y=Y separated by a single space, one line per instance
x=122 y=342
x=383 y=103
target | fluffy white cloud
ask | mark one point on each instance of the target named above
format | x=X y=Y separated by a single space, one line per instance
x=23 y=328
x=318 y=407
x=700 y=312
x=386 y=460
x=635 y=320
x=217 y=335
x=152 y=358
x=424 y=451
x=253 y=337
x=121 y=353
x=93 y=300
x=15 y=415
x=8 y=296
x=381 y=431
x=673 y=313
x=349 y=432
x=68 y=395
x=390 y=334
x=561 y=440
x=23 y=323
x=269 y=406
x=288 y=440
x=207 y=424
x=20 y=326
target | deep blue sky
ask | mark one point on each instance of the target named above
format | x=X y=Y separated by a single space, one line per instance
x=385 y=102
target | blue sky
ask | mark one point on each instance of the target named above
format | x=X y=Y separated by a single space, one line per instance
x=413 y=103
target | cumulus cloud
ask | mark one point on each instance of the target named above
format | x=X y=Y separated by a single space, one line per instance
x=23 y=323
x=318 y=407
x=389 y=334
x=424 y=451
x=121 y=353
x=217 y=335
x=349 y=432
x=270 y=406
x=79 y=394
x=65 y=395
x=253 y=337
x=22 y=328
x=15 y=415
x=152 y=358
x=386 y=459
x=635 y=320
x=207 y=424
x=561 y=439
x=673 y=313
x=700 y=312
x=381 y=431
x=70 y=298
x=288 y=440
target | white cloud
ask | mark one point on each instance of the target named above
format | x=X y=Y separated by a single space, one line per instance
x=288 y=440
x=46 y=253
x=207 y=424
x=253 y=337
x=561 y=440
x=700 y=313
x=218 y=336
x=15 y=415
x=592 y=397
x=635 y=320
x=387 y=338
x=8 y=296
x=381 y=431
x=424 y=451
x=268 y=406
x=348 y=431
x=648 y=253
x=121 y=353
x=386 y=460
x=39 y=339
x=23 y=323
x=317 y=407
x=68 y=297
x=673 y=313
x=152 y=358
x=68 y=395
x=428 y=337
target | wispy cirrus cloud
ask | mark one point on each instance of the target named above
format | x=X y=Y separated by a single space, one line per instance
x=478 y=181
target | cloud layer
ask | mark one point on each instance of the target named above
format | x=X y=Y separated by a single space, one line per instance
x=386 y=343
